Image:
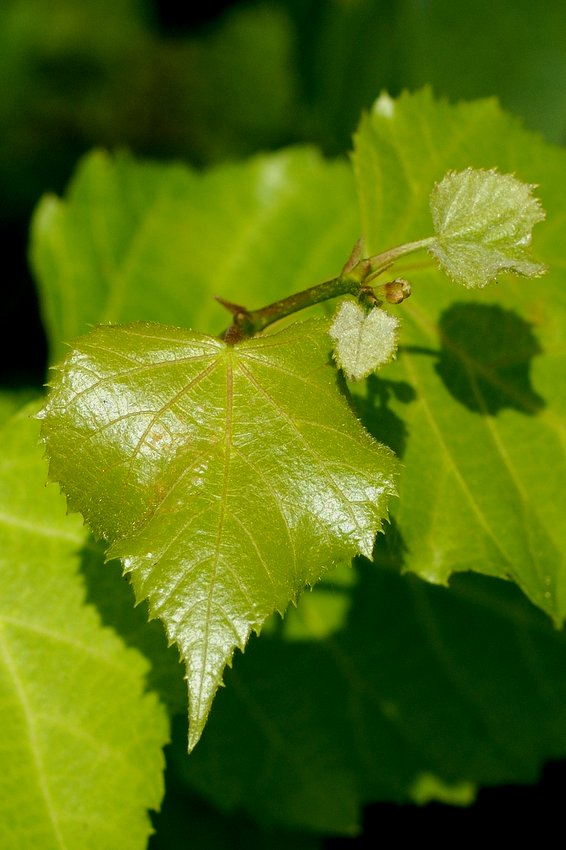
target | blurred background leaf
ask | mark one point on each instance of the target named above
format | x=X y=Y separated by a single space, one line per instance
x=134 y=240
x=222 y=80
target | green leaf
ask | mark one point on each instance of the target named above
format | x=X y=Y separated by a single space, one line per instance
x=114 y=600
x=145 y=241
x=81 y=758
x=363 y=341
x=415 y=689
x=474 y=404
x=483 y=222
x=12 y=399
x=226 y=478
x=476 y=398
x=187 y=814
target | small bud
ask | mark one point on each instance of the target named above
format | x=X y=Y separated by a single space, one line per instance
x=397 y=290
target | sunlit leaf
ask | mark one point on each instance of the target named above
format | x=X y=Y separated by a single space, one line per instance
x=81 y=756
x=483 y=222
x=480 y=434
x=226 y=478
x=362 y=341
x=390 y=689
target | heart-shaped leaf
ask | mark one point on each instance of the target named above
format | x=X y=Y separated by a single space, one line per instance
x=225 y=477
x=362 y=341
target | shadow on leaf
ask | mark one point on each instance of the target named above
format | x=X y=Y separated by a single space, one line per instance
x=111 y=594
x=485 y=359
x=375 y=412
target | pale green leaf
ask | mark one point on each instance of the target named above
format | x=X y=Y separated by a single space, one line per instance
x=362 y=341
x=476 y=399
x=12 y=399
x=225 y=477
x=81 y=757
x=483 y=223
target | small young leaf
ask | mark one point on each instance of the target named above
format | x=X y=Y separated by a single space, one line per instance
x=363 y=341
x=225 y=477
x=483 y=222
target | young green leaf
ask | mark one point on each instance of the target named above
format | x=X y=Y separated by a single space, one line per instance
x=225 y=477
x=483 y=222
x=363 y=341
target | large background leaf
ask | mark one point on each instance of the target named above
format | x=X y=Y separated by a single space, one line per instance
x=140 y=241
x=381 y=687
x=482 y=440
x=81 y=758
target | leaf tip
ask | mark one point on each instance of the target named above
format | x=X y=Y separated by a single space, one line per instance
x=194 y=737
x=384 y=106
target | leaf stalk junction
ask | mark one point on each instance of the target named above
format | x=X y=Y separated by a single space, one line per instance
x=354 y=279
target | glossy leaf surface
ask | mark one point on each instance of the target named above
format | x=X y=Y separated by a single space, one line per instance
x=81 y=756
x=382 y=690
x=226 y=478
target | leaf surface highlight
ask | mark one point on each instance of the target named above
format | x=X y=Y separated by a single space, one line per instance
x=225 y=478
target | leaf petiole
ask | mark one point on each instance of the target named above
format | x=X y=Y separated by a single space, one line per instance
x=353 y=280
